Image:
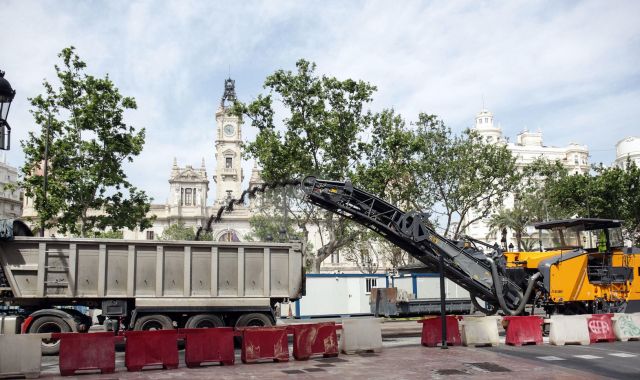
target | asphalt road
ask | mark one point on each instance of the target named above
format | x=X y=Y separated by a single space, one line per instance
x=617 y=360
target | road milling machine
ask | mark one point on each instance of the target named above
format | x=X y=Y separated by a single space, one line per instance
x=582 y=265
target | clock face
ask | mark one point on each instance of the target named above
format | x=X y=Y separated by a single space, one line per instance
x=229 y=129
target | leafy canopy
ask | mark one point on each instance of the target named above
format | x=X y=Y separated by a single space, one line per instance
x=315 y=131
x=89 y=141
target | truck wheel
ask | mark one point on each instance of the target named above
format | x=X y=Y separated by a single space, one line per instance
x=49 y=324
x=204 y=321
x=254 y=319
x=153 y=322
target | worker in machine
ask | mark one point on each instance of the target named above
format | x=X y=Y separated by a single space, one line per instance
x=602 y=242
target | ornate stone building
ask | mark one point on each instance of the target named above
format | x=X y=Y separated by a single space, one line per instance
x=188 y=200
x=10 y=196
x=527 y=148
x=627 y=149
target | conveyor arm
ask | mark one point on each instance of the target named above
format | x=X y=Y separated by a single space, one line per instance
x=411 y=231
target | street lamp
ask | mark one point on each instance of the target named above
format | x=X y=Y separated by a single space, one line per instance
x=6 y=97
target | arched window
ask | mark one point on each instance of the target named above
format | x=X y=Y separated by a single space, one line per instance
x=229 y=235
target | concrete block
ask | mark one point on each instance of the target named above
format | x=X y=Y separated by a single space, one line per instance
x=480 y=331
x=626 y=326
x=360 y=334
x=568 y=329
x=20 y=355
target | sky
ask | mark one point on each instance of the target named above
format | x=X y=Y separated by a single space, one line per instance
x=569 y=68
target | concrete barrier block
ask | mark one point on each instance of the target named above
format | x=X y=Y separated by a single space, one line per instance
x=360 y=334
x=626 y=326
x=601 y=328
x=566 y=329
x=480 y=331
x=20 y=355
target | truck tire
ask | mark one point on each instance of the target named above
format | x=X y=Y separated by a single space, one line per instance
x=200 y=321
x=254 y=319
x=49 y=324
x=153 y=322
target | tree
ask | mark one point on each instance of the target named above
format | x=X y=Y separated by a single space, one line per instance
x=461 y=178
x=515 y=219
x=321 y=119
x=178 y=231
x=612 y=193
x=110 y=234
x=88 y=143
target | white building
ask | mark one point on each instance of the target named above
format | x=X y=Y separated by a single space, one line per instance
x=628 y=148
x=188 y=200
x=10 y=195
x=528 y=147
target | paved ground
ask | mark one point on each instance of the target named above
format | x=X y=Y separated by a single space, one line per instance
x=404 y=358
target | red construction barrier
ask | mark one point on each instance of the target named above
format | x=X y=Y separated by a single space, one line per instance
x=432 y=331
x=314 y=339
x=149 y=348
x=86 y=351
x=264 y=343
x=208 y=345
x=601 y=328
x=523 y=330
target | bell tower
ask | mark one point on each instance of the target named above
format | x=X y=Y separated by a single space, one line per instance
x=228 y=157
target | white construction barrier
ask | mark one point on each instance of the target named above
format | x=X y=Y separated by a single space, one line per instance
x=626 y=326
x=360 y=334
x=568 y=329
x=480 y=331
x=20 y=355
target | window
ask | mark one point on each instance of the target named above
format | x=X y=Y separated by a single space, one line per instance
x=187 y=197
x=489 y=139
x=150 y=235
x=370 y=283
x=228 y=236
x=486 y=119
x=228 y=163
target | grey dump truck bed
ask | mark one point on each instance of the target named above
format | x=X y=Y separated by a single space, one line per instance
x=163 y=274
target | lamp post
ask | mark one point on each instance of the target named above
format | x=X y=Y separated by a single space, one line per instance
x=6 y=97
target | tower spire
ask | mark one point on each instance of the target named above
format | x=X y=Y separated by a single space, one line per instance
x=229 y=94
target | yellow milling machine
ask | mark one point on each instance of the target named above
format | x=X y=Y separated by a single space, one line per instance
x=584 y=266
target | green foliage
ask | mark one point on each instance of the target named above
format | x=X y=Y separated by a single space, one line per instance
x=515 y=219
x=88 y=143
x=460 y=177
x=612 y=193
x=267 y=228
x=316 y=134
x=178 y=231
x=388 y=168
x=109 y=234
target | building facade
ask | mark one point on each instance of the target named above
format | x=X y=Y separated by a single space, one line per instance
x=188 y=200
x=527 y=148
x=627 y=149
x=10 y=194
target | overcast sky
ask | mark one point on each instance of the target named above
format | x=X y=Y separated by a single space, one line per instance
x=570 y=68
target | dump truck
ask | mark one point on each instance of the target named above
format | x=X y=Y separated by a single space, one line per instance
x=582 y=265
x=145 y=285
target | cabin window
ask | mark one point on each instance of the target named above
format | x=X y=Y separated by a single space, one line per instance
x=370 y=283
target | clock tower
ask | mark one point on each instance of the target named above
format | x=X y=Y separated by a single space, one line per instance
x=228 y=173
